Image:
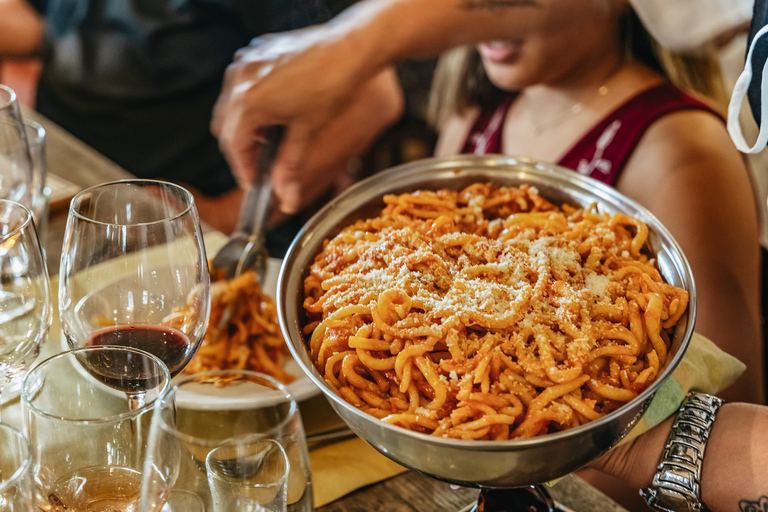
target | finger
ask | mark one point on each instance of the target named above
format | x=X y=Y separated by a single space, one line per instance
x=222 y=105
x=239 y=142
x=290 y=185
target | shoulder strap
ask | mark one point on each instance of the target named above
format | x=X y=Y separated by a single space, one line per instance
x=605 y=149
x=485 y=135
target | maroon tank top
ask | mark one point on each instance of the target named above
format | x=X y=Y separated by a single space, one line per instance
x=605 y=149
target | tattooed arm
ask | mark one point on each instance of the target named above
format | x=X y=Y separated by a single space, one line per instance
x=304 y=79
x=735 y=471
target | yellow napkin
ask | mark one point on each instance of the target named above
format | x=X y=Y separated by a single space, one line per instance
x=704 y=368
x=343 y=467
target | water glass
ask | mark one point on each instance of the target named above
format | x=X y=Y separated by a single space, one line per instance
x=15 y=471
x=25 y=296
x=249 y=474
x=15 y=161
x=88 y=441
x=205 y=411
x=41 y=194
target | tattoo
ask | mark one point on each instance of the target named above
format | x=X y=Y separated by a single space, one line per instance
x=473 y=5
x=761 y=505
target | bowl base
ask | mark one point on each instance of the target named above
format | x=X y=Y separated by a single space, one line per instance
x=533 y=498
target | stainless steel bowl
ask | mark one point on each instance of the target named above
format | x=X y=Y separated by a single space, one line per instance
x=485 y=464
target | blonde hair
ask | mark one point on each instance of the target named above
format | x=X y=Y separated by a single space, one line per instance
x=460 y=81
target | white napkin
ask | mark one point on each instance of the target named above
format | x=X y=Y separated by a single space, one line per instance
x=684 y=25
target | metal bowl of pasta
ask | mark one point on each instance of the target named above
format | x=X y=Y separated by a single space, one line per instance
x=489 y=321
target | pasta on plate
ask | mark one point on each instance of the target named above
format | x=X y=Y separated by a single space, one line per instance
x=489 y=313
x=242 y=333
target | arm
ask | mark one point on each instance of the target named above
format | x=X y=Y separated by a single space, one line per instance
x=303 y=79
x=733 y=475
x=21 y=29
x=687 y=172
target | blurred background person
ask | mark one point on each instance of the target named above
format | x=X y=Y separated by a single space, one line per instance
x=137 y=81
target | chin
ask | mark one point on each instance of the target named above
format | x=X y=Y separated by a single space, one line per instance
x=507 y=79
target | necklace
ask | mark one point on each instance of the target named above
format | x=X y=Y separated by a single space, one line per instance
x=538 y=129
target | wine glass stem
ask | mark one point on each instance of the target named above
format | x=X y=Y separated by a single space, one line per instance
x=4 y=380
x=136 y=400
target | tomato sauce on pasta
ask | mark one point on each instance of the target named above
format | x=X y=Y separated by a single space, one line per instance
x=489 y=313
x=242 y=332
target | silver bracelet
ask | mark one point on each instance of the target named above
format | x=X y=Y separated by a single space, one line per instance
x=676 y=485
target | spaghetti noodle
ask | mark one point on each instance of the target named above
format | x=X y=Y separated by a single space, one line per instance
x=242 y=333
x=489 y=313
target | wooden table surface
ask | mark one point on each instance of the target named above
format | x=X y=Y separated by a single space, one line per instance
x=76 y=162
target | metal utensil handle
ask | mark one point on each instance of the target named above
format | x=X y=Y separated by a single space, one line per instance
x=257 y=198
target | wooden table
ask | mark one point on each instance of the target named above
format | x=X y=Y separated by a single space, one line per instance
x=71 y=159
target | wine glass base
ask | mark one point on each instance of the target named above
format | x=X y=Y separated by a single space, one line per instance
x=533 y=498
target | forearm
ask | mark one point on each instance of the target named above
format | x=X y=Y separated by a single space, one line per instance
x=387 y=31
x=735 y=469
x=21 y=29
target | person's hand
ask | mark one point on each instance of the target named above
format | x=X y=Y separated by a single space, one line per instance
x=267 y=84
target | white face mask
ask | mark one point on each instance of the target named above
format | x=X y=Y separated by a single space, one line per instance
x=740 y=92
x=685 y=25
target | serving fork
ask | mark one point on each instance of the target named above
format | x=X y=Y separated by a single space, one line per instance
x=245 y=249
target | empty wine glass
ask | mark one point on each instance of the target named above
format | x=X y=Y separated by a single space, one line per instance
x=25 y=299
x=134 y=271
x=15 y=471
x=88 y=443
x=15 y=161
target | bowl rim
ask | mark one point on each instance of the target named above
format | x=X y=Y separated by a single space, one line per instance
x=485 y=163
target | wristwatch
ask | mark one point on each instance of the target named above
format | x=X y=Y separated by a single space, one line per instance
x=676 y=485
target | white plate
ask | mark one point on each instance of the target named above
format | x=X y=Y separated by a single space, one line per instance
x=204 y=397
x=208 y=397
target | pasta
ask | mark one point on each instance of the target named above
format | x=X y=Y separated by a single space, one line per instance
x=242 y=332
x=489 y=313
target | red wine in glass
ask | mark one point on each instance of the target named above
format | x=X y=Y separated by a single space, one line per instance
x=127 y=373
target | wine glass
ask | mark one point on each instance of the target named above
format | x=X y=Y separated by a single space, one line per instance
x=207 y=430
x=40 y=205
x=249 y=474
x=134 y=271
x=15 y=471
x=25 y=299
x=88 y=444
x=15 y=160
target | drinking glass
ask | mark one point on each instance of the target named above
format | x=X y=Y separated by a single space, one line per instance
x=25 y=298
x=15 y=471
x=134 y=271
x=205 y=411
x=41 y=194
x=88 y=444
x=15 y=161
x=248 y=474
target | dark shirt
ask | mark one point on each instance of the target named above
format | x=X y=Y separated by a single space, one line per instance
x=138 y=79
